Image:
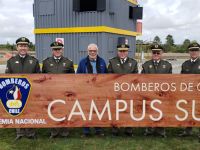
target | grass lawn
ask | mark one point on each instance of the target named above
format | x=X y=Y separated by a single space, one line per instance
x=75 y=142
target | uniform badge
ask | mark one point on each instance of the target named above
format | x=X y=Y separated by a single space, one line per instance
x=64 y=64
x=23 y=39
x=31 y=61
x=51 y=65
x=17 y=62
x=14 y=94
x=130 y=64
x=150 y=66
x=123 y=46
x=164 y=66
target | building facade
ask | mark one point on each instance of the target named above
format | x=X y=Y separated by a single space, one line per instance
x=80 y=22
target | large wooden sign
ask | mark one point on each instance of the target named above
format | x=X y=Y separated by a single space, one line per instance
x=44 y=101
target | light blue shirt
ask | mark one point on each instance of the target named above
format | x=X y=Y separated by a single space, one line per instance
x=94 y=66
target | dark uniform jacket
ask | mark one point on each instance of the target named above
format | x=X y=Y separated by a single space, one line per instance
x=27 y=65
x=163 y=67
x=189 y=67
x=128 y=67
x=63 y=66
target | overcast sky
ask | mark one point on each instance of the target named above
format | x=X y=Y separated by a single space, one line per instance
x=181 y=18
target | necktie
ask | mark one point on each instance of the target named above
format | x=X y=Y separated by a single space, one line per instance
x=22 y=60
x=123 y=61
x=57 y=60
x=156 y=65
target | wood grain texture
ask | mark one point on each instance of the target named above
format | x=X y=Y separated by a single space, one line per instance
x=100 y=88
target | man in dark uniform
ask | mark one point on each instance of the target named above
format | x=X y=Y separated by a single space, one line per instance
x=191 y=66
x=156 y=66
x=23 y=63
x=57 y=64
x=122 y=64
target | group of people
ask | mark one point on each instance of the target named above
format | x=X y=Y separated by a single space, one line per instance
x=94 y=64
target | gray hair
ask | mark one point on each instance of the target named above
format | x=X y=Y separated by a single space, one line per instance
x=93 y=45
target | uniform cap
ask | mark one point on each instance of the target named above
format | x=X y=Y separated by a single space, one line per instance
x=56 y=45
x=122 y=44
x=23 y=40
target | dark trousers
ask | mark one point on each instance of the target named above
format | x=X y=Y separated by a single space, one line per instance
x=127 y=130
x=158 y=130
x=188 y=130
x=86 y=130
x=25 y=132
x=64 y=132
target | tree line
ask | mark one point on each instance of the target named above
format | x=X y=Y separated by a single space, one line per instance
x=169 y=45
x=12 y=47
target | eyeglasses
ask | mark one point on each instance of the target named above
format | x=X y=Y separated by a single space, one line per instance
x=122 y=51
x=158 y=53
x=194 y=50
x=92 y=51
x=57 y=49
x=22 y=45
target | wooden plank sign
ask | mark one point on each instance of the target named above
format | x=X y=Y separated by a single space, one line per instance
x=45 y=100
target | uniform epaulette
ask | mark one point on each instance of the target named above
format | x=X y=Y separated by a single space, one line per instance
x=68 y=59
x=112 y=58
x=147 y=62
x=186 y=61
x=46 y=59
x=12 y=58
x=132 y=58
x=167 y=62
x=33 y=57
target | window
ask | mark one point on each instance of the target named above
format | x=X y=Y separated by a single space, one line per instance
x=89 y=5
x=135 y=12
x=130 y=12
